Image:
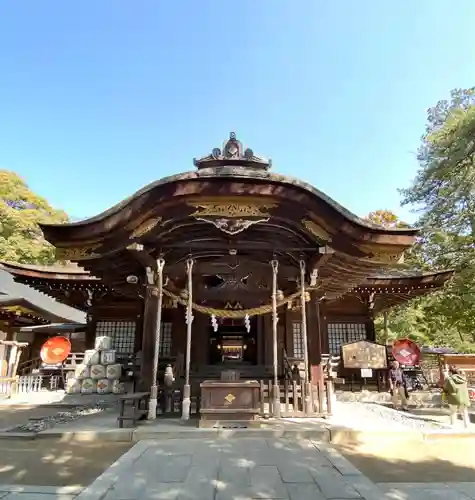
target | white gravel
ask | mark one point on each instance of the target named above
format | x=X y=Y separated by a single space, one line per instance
x=370 y=416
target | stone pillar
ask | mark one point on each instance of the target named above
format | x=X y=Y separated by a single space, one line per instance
x=149 y=321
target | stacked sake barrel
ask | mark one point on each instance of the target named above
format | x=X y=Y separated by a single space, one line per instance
x=99 y=372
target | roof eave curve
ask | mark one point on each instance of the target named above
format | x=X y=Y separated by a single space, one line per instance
x=242 y=172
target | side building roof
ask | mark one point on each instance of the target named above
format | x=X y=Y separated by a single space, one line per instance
x=19 y=297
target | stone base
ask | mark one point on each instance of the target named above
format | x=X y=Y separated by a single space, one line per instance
x=213 y=423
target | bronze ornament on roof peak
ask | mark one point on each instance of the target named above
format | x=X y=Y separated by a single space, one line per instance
x=232 y=153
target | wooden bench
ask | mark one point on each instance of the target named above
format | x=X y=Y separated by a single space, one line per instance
x=138 y=402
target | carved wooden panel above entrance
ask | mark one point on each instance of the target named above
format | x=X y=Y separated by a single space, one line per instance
x=232 y=216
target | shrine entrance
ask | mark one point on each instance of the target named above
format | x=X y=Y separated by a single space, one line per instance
x=232 y=343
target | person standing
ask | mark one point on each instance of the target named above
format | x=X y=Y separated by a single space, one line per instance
x=398 y=385
x=456 y=394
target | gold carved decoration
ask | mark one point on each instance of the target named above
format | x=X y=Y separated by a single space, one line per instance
x=236 y=306
x=145 y=227
x=383 y=254
x=77 y=253
x=316 y=230
x=231 y=210
x=230 y=398
x=385 y=258
x=18 y=310
x=232 y=215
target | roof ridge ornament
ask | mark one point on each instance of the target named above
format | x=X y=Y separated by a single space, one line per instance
x=233 y=154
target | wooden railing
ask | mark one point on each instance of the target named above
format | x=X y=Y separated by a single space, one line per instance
x=29 y=365
x=292 y=399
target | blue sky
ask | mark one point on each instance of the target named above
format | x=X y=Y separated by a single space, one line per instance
x=98 y=98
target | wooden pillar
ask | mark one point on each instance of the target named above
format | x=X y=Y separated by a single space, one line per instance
x=370 y=330
x=90 y=332
x=260 y=340
x=385 y=326
x=149 y=321
x=267 y=338
x=275 y=352
x=315 y=340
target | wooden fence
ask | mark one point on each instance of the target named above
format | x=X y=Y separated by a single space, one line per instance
x=24 y=384
x=292 y=396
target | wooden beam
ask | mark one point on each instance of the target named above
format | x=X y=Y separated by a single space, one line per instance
x=324 y=255
x=221 y=267
x=242 y=245
x=142 y=256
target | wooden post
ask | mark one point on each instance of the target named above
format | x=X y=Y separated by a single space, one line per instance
x=307 y=401
x=329 y=387
x=385 y=326
x=148 y=336
x=152 y=407
x=275 y=318
x=12 y=360
x=186 y=405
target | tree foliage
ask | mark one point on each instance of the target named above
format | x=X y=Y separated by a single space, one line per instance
x=386 y=218
x=443 y=194
x=21 y=210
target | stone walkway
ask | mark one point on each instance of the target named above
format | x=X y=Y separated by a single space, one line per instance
x=237 y=469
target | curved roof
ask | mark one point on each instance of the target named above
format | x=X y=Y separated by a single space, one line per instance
x=232 y=202
x=231 y=164
x=243 y=173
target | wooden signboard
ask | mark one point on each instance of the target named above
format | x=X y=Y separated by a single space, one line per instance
x=364 y=355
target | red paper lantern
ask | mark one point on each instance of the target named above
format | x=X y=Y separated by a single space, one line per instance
x=406 y=352
x=55 y=350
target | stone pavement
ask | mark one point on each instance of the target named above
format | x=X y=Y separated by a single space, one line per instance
x=237 y=469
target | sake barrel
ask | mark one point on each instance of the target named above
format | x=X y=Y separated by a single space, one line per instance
x=113 y=372
x=104 y=386
x=81 y=371
x=117 y=387
x=97 y=372
x=103 y=343
x=73 y=386
x=108 y=357
x=88 y=386
x=91 y=357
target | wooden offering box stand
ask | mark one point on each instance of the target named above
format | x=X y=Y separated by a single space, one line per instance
x=229 y=400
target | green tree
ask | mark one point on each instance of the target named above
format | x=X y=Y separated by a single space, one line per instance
x=421 y=319
x=443 y=192
x=385 y=218
x=21 y=210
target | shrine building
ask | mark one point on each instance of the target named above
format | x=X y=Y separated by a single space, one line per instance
x=235 y=265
